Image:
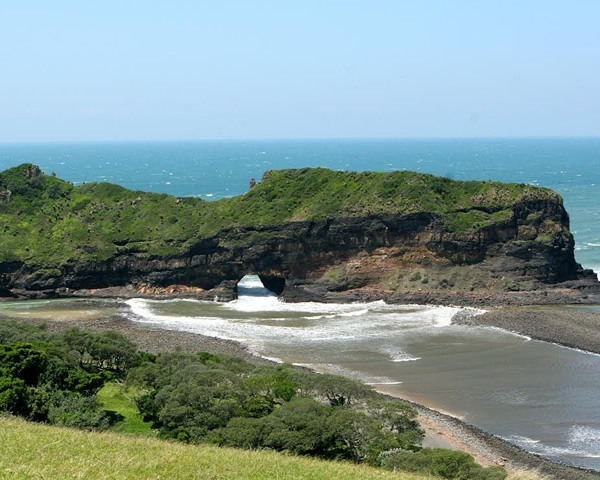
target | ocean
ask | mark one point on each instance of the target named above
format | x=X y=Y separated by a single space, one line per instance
x=541 y=396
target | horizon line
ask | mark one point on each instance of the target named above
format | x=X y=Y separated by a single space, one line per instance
x=302 y=139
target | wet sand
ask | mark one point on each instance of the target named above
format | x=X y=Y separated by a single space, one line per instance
x=442 y=430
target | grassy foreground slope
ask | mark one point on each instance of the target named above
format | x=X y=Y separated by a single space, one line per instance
x=38 y=451
x=48 y=222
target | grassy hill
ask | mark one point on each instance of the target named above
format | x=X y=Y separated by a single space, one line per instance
x=38 y=451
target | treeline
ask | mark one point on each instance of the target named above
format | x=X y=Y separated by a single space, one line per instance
x=54 y=378
x=205 y=398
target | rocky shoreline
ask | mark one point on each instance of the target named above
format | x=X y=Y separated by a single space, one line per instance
x=574 y=326
x=487 y=448
x=491 y=450
x=579 y=292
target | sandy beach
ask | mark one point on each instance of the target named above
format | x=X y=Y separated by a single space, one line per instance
x=442 y=430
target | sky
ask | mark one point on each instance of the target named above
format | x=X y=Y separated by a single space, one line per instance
x=156 y=70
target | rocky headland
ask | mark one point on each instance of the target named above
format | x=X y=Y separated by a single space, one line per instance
x=310 y=234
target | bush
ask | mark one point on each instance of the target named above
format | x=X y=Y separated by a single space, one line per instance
x=13 y=395
x=298 y=427
x=240 y=432
x=11 y=331
x=449 y=464
x=23 y=360
x=354 y=435
x=43 y=375
x=107 y=350
x=73 y=410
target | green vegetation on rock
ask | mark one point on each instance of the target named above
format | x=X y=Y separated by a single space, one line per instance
x=52 y=224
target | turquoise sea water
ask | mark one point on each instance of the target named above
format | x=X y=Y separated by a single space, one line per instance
x=214 y=169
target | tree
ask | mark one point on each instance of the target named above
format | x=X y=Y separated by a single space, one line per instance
x=76 y=342
x=201 y=401
x=296 y=427
x=241 y=432
x=63 y=375
x=354 y=435
x=23 y=360
x=338 y=391
x=13 y=395
x=400 y=418
x=112 y=350
x=267 y=388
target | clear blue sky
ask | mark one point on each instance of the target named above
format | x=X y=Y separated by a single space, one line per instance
x=117 y=70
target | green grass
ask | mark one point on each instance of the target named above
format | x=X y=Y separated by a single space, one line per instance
x=39 y=451
x=51 y=224
x=118 y=398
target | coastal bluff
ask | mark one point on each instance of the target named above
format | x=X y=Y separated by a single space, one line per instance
x=309 y=234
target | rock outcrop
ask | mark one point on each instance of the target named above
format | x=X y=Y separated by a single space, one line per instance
x=309 y=234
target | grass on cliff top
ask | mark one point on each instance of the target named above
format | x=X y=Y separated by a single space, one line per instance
x=49 y=222
x=39 y=451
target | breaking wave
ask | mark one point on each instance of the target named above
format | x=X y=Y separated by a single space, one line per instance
x=583 y=442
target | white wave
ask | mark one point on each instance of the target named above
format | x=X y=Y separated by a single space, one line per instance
x=251 y=281
x=254 y=304
x=384 y=383
x=405 y=358
x=586 y=437
x=522 y=439
x=143 y=311
x=509 y=332
x=442 y=316
x=578 y=350
x=583 y=442
x=397 y=356
x=346 y=321
x=355 y=313
x=355 y=375
x=272 y=359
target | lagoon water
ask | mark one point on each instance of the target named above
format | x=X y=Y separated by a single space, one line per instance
x=543 y=397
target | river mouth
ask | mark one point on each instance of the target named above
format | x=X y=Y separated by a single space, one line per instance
x=542 y=397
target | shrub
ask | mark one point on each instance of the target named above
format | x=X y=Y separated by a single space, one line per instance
x=23 y=360
x=13 y=395
x=444 y=463
x=73 y=410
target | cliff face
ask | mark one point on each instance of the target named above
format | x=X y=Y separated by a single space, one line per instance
x=369 y=234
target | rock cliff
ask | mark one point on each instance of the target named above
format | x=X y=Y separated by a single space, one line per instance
x=309 y=234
